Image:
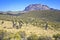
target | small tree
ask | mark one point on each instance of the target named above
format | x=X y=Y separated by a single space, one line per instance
x=46 y=26
x=17 y=27
x=14 y=24
x=20 y=24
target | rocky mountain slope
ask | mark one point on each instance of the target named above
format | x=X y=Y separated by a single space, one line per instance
x=36 y=7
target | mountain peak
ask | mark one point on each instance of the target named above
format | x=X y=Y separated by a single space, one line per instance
x=33 y=7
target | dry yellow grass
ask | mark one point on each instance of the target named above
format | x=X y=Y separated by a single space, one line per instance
x=28 y=29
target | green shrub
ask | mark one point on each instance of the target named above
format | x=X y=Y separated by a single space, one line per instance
x=44 y=38
x=32 y=37
x=56 y=36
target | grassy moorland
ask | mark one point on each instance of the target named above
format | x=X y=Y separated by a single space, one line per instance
x=32 y=25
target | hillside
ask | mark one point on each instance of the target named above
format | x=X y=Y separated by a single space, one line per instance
x=41 y=23
x=49 y=15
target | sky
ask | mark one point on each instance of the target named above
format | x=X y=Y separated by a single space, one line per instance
x=19 y=5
